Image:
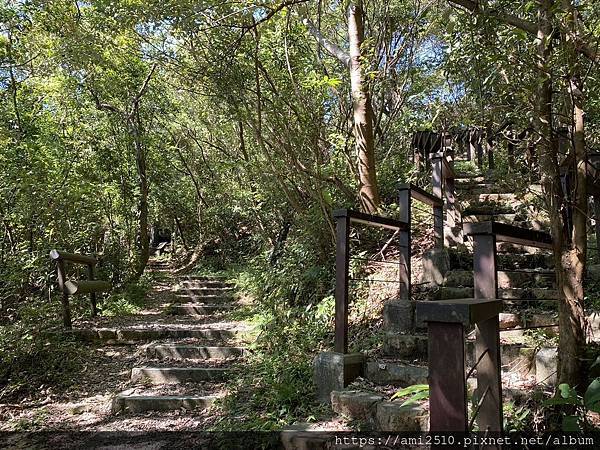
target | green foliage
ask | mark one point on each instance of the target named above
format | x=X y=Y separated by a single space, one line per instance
x=128 y=301
x=515 y=418
x=415 y=394
x=568 y=396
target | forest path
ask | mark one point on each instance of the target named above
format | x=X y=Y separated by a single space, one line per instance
x=159 y=369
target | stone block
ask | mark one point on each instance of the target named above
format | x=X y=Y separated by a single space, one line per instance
x=390 y=416
x=405 y=345
x=355 y=404
x=509 y=320
x=398 y=315
x=334 y=371
x=383 y=372
x=436 y=265
x=546 y=365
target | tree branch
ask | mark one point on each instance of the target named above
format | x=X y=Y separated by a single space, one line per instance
x=331 y=48
x=587 y=49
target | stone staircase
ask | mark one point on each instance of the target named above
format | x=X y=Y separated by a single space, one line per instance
x=186 y=348
x=526 y=282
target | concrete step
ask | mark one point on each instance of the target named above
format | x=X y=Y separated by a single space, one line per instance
x=193 y=309
x=449 y=293
x=506 y=279
x=404 y=345
x=202 y=291
x=189 y=296
x=397 y=373
x=205 y=284
x=115 y=335
x=198 y=352
x=376 y=410
x=476 y=188
x=142 y=403
x=172 y=375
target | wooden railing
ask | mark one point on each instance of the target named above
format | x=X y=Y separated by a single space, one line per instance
x=72 y=287
x=447 y=321
x=344 y=218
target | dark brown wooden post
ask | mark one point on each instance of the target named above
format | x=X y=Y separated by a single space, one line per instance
x=61 y=275
x=447 y=387
x=446 y=321
x=437 y=185
x=436 y=175
x=487 y=340
x=342 y=264
x=597 y=220
x=92 y=294
x=405 y=204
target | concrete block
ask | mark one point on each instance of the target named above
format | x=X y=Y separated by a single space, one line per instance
x=334 y=371
x=405 y=345
x=173 y=375
x=383 y=372
x=142 y=403
x=509 y=320
x=546 y=365
x=184 y=352
x=436 y=264
x=390 y=416
x=398 y=315
x=355 y=404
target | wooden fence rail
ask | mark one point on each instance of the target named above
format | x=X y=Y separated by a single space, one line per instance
x=72 y=287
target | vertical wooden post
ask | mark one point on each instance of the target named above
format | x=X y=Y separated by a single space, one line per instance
x=597 y=220
x=405 y=204
x=66 y=310
x=342 y=265
x=436 y=174
x=447 y=387
x=487 y=340
x=92 y=294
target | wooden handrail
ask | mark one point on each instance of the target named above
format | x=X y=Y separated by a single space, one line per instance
x=421 y=195
x=344 y=218
x=72 y=257
x=86 y=286
x=510 y=234
x=72 y=287
x=368 y=219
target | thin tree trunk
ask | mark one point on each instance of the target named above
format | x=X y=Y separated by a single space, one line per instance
x=140 y=160
x=363 y=113
x=568 y=262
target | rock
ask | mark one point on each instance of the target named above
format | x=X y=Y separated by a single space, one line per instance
x=508 y=320
x=299 y=436
x=383 y=372
x=546 y=365
x=398 y=315
x=390 y=416
x=436 y=264
x=405 y=345
x=518 y=358
x=334 y=371
x=355 y=404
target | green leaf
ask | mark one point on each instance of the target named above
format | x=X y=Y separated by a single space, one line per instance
x=570 y=423
x=591 y=398
x=414 y=389
x=415 y=398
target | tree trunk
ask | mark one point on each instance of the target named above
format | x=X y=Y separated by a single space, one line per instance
x=568 y=259
x=140 y=160
x=363 y=113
